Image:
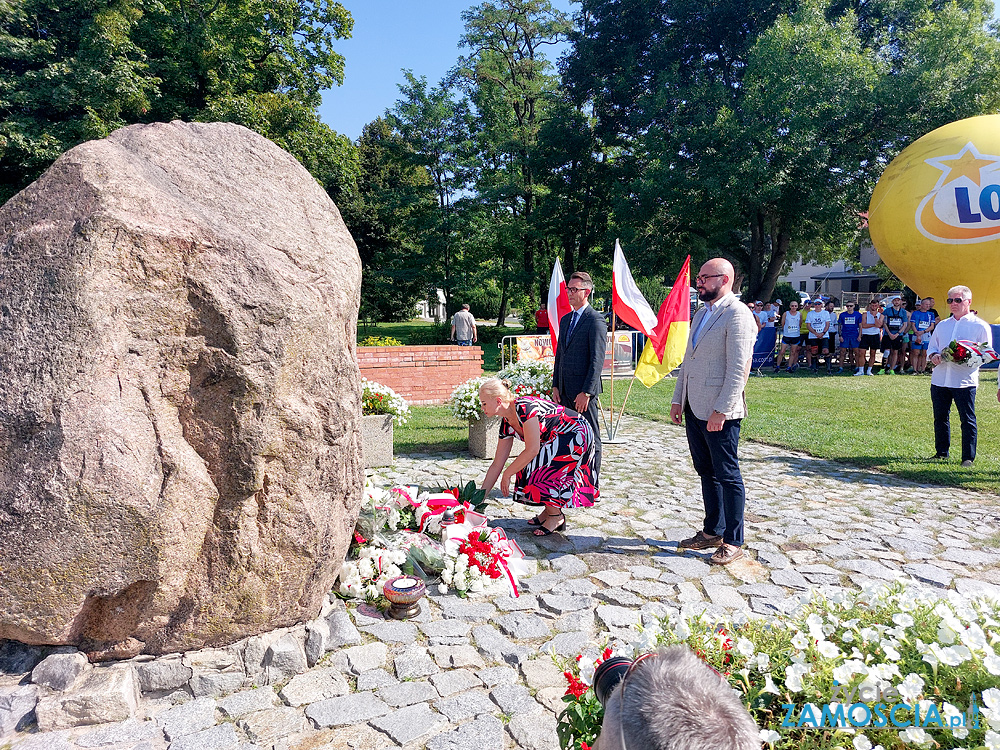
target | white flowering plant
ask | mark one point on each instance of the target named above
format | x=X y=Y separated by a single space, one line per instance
x=364 y=577
x=886 y=667
x=525 y=378
x=381 y=399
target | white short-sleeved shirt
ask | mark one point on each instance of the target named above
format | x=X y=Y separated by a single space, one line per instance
x=816 y=321
x=968 y=328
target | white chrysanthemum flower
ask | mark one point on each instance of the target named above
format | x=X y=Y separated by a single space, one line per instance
x=477 y=586
x=815 y=624
x=992 y=664
x=828 y=649
x=915 y=736
x=974 y=637
x=442 y=588
x=910 y=688
x=793 y=676
x=889 y=647
x=769 y=736
x=769 y=686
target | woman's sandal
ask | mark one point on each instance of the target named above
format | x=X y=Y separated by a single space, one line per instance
x=542 y=531
x=536 y=521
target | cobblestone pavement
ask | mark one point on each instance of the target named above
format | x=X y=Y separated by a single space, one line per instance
x=475 y=673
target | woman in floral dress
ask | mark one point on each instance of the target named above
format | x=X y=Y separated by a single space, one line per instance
x=555 y=468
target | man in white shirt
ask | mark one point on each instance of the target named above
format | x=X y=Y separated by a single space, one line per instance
x=956 y=382
x=818 y=325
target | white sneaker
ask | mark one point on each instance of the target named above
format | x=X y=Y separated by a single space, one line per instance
x=861 y=371
x=869 y=371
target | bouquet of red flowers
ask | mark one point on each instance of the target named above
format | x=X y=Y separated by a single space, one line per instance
x=969 y=353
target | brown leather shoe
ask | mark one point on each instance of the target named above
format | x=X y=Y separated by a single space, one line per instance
x=701 y=540
x=726 y=554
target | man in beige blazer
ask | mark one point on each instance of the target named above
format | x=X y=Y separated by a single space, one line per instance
x=709 y=395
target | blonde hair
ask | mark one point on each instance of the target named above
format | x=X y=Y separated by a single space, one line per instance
x=495 y=387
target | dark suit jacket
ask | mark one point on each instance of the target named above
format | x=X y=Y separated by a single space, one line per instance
x=580 y=357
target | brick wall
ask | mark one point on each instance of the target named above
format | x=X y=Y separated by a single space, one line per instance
x=421 y=374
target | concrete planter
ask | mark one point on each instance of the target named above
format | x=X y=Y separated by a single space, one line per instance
x=484 y=433
x=376 y=440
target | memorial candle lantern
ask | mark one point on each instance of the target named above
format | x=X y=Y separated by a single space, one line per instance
x=404 y=593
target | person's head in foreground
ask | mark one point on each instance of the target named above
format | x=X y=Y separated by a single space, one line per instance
x=672 y=700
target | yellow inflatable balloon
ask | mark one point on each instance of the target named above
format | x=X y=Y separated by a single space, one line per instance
x=935 y=214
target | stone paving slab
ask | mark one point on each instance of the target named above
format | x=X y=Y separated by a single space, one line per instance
x=474 y=673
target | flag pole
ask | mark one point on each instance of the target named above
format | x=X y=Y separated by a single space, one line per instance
x=611 y=410
x=627 y=393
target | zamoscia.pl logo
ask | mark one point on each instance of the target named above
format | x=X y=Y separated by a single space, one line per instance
x=964 y=206
x=874 y=708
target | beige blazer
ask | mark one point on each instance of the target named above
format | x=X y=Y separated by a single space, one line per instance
x=714 y=373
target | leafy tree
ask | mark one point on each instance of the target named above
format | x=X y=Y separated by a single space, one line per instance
x=74 y=71
x=756 y=130
x=391 y=190
x=435 y=126
x=507 y=77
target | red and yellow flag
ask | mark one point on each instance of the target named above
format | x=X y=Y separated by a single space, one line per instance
x=665 y=347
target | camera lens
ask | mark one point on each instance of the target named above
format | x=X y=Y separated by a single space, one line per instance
x=607 y=676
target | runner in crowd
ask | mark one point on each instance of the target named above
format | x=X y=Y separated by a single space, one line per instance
x=895 y=322
x=818 y=325
x=871 y=329
x=790 y=337
x=831 y=345
x=922 y=323
x=849 y=324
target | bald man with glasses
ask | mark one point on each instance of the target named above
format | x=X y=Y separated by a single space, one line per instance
x=709 y=401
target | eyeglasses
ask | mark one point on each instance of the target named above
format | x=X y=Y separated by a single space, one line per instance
x=576 y=289
x=703 y=279
x=956 y=299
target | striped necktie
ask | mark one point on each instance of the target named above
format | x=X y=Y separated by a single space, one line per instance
x=572 y=323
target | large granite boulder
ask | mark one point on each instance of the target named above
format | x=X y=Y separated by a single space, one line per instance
x=179 y=400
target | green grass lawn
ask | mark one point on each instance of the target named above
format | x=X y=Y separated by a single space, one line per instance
x=431 y=429
x=882 y=422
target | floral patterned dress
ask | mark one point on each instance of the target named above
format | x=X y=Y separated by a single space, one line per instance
x=562 y=473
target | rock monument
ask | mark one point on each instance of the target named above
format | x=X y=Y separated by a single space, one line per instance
x=179 y=452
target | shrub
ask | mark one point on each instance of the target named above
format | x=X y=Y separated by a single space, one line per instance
x=525 y=378
x=379 y=341
x=381 y=399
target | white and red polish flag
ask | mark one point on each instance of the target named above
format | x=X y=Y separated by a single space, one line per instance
x=558 y=302
x=626 y=299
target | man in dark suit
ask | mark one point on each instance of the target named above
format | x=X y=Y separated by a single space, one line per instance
x=582 y=344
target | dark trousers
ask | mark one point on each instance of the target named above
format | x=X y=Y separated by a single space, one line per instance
x=965 y=402
x=592 y=415
x=715 y=460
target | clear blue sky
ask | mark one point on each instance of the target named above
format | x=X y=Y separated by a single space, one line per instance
x=390 y=35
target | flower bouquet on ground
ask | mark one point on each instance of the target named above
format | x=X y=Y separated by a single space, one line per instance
x=889 y=667
x=381 y=399
x=969 y=353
